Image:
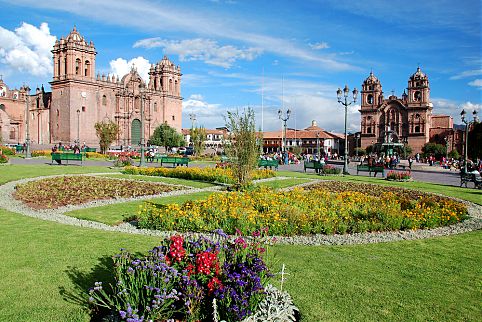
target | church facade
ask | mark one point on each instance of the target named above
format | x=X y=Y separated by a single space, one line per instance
x=79 y=98
x=408 y=119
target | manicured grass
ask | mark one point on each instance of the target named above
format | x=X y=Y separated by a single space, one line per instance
x=17 y=172
x=473 y=195
x=279 y=184
x=426 y=280
x=189 y=183
x=114 y=214
x=47 y=268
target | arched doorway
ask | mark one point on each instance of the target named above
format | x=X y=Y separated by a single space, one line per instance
x=136 y=132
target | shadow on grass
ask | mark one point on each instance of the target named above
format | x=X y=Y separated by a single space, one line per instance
x=82 y=281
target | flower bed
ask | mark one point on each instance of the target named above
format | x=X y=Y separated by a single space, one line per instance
x=5 y=150
x=202 y=174
x=188 y=280
x=42 y=153
x=330 y=170
x=3 y=158
x=74 y=190
x=324 y=208
x=399 y=175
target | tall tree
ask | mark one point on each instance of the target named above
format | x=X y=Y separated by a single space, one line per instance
x=106 y=132
x=198 y=136
x=242 y=146
x=166 y=136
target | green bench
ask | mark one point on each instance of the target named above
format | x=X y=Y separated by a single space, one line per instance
x=370 y=169
x=316 y=165
x=59 y=157
x=175 y=161
x=18 y=148
x=268 y=163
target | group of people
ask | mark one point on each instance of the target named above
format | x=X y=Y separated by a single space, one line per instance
x=72 y=147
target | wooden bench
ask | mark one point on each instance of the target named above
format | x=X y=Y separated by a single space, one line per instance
x=268 y=163
x=317 y=165
x=471 y=177
x=59 y=157
x=175 y=161
x=370 y=169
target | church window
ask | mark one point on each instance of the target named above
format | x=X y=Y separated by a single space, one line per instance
x=370 y=88
x=155 y=106
x=2 y=107
x=173 y=118
x=65 y=66
x=370 y=99
x=87 y=68
x=77 y=66
x=417 y=129
x=12 y=134
x=58 y=66
x=170 y=85
x=417 y=116
x=104 y=100
x=417 y=96
x=175 y=86
x=83 y=108
x=369 y=130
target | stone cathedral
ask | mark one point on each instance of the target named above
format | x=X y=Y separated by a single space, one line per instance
x=80 y=98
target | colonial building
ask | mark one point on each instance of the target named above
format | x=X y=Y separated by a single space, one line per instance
x=309 y=140
x=80 y=98
x=408 y=118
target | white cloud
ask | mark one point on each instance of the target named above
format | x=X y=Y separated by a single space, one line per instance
x=453 y=108
x=208 y=115
x=205 y=50
x=27 y=49
x=120 y=67
x=319 y=45
x=467 y=73
x=198 y=97
x=476 y=83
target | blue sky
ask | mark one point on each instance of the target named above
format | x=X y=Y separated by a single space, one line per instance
x=295 y=53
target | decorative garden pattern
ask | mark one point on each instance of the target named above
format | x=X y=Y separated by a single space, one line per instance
x=74 y=190
x=203 y=174
x=326 y=208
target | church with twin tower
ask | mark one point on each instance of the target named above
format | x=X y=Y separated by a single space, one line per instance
x=79 y=98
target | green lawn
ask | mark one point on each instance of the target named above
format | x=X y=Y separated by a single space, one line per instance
x=47 y=269
x=114 y=214
x=17 y=172
x=190 y=183
x=279 y=184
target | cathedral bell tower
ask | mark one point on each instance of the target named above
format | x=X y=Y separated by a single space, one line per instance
x=418 y=89
x=74 y=58
x=371 y=94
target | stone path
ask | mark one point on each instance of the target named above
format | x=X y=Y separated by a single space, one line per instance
x=58 y=215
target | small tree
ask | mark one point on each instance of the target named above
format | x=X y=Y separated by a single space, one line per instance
x=454 y=154
x=438 y=150
x=166 y=136
x=198 y=135
x=242 y=148
x=106 y=132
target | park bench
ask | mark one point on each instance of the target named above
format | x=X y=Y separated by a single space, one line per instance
x=157 y=157
x=470 y=177
x=59 y=157
x=19 y=148
x=268 y=163
x=175 y=161
x=368 y=168
x=317 y=165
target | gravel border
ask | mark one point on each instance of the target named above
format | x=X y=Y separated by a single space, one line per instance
x=57 y=215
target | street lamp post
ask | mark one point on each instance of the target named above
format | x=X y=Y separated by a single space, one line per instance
x=318 y=145
x=27 y=134
x=446 y=139
x=357 y=137
x=284 y=117
x=78 y=127
x=467 y=125
x=345 y=103
x=141 y=92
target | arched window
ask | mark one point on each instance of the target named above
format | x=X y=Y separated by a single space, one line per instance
x=65 y=66
x=173 y=118
x=58 y=67
x=370 y=99
x=170 y=85
x=104 y=100
x=369 y=130
x=87 y=68
x=155 y=106
x=417 y=129
x=77 y=66
x=2 y=107
x=175 y=87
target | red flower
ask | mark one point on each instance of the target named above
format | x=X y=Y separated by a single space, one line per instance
x=214 y=284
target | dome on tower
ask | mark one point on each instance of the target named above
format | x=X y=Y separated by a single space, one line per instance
x=371 y=79
x=418 y=74
x=75 y=36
